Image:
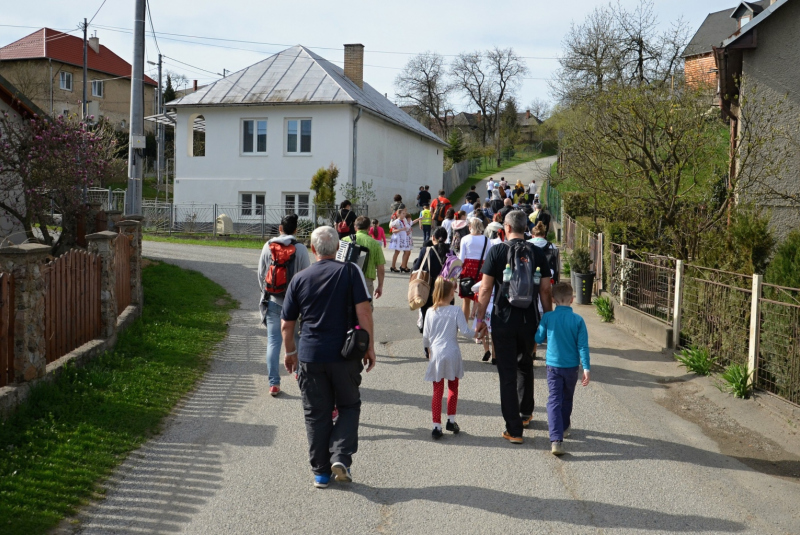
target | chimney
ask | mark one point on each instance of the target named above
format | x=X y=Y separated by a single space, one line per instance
x=194 y=86
x=527 y=114
x=94 y=43
x=354 y=63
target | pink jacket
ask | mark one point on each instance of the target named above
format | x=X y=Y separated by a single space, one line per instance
x=381 y=237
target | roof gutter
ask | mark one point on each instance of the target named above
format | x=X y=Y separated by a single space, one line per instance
x=355 y=144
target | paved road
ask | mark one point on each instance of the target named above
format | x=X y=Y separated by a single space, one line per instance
x=538 y=170
x=232 y=460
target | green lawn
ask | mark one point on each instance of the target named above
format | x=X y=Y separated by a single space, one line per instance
x=213 y=242
x=69 y=435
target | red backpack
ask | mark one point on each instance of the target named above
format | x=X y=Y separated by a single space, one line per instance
x=281 y=259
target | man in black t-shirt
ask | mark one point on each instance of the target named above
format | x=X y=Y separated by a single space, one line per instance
x=513 y=328
x=424 y=196
x=320 y=295
x=472 y=195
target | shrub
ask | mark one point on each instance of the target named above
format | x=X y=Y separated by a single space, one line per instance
x=604 y=309
x=734 y=380
x=697 y=360
x=581 y=260
x=576 y=204
x=784 y=270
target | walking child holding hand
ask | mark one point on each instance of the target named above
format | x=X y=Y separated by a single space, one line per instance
x=439 y=334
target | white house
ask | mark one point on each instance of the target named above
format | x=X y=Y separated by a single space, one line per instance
x=270 y=127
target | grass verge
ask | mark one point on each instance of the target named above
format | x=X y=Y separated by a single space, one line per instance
x=213 y=242
x=70 y=434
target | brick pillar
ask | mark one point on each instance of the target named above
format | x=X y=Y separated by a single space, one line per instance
x=132 y=226
x=91 y=217
x=354 y=63
x=114 y=217
x=102 y=243
x=26 y=262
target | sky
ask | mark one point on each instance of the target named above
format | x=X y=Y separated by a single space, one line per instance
x=391 y=31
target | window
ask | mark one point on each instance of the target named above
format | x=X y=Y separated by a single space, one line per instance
x=97 y=88
x=252 y=204
x=254 y=136
x=65 y=81
x=298 y=136
x=196 y=136
x=296 y=203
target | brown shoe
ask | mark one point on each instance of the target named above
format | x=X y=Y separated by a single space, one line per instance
x=513 y=440
x=526 y=420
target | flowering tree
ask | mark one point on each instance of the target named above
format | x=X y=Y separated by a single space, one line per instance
x=47 y=163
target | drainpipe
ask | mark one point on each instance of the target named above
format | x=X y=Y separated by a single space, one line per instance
x=355 y=145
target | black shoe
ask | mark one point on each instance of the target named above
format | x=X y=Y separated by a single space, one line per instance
x=487 y=356
x=393 y=270
x=405 y=270
x=427 y=355
x=436 y=433
x=494 y=362
x=452 y=426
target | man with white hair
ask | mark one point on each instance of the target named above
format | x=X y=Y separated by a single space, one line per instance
x=325 y=295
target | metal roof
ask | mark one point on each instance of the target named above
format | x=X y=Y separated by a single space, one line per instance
x=754 y=22
x=716 y=27
x=298 y=76
x=170 y=118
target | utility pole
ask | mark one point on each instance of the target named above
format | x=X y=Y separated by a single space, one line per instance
x=84 y=104
x=136 y=144
x=159 y=126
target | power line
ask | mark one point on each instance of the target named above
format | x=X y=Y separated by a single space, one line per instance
x=152 y=29
x=192 y=66
x=98 y=11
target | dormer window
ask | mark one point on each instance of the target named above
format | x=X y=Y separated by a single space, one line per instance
x=745 y=12
x=744 y=19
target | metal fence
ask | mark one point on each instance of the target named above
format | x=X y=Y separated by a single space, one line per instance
x=245 y=220
x=576 y=235
x=778 y=363
x=109 y=199
x=551 y=198
x=458 y=174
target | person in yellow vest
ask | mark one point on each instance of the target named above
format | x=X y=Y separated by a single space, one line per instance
x=425 y=218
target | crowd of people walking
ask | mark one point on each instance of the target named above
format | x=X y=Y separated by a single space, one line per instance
x=495 y=256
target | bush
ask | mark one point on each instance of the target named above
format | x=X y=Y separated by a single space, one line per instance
x=784 y=270
x=734 y=380
x=576 y=204
x=604 y=309
x=581 y=260
x=697 y=360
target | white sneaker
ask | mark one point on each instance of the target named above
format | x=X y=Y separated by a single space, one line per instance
x=557 y=448
x=341 y=472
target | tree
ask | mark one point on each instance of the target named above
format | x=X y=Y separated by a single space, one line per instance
x=47 y=163
x=507 y=71
x=169 y=91
x=456 y=151
x=358 y=195
x=324 y=185
x=509 y=124
x=540 y=108
x=30 y=79
x=423 y=83
x=473 y=78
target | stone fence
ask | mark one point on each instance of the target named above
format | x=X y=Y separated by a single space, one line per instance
x=45 y=304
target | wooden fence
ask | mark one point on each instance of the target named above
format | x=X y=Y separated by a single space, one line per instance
x=6 y=329
x=122 y=259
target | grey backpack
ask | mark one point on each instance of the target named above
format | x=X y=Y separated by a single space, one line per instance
x=521 y=291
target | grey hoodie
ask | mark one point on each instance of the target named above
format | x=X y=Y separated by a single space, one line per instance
x=301 y=259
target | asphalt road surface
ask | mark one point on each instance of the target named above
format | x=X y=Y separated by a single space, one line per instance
x=233 y=460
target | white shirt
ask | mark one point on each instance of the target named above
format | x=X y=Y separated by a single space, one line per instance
x=471 y=247
x=532 y=188
x=447 y=224
x=489 y=186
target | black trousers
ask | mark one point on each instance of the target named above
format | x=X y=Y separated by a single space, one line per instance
x=513 y=348
x=323 y=386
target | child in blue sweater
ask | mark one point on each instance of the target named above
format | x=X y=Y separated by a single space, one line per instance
x=567 y=346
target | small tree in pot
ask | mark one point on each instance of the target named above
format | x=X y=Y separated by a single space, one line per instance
x=581 y=261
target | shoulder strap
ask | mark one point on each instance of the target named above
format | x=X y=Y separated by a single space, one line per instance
x=439 y=258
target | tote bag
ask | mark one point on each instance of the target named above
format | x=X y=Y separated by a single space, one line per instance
x=419 y=286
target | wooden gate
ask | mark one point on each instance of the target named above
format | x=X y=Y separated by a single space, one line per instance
x=122 y=262
x=6 y=329
x=72 y=302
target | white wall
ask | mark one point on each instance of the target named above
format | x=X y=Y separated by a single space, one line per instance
x=223 y=172
x=398 y=161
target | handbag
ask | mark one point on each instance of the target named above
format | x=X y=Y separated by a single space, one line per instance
x=465 y=284
x=356 y=342
x=419 y=285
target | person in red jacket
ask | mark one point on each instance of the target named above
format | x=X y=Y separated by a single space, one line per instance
x=439 y=208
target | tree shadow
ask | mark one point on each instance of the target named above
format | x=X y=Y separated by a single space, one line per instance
x=576 y=512
x=633 y=355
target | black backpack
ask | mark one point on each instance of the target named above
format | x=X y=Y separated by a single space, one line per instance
x=552 y=254
x=455 y=241
x=521 y=292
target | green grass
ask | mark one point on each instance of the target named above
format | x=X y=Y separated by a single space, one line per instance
x=70 y=434
x=735 y=379
x=213 y=242
x=697 y=360
x=604 y=309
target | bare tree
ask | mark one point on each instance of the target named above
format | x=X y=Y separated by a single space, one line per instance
x=423 y=83
x=540 y=108
x=473 y=78
x=507 y=71
x=30 y=79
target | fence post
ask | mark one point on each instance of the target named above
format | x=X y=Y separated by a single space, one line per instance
x=313 y=217
x=755 y=328
x=133 y=227
x=25 y=263
x=169 y=232
x=600 y=268
x=677 y=304
x=102 y=244
x=622 y=255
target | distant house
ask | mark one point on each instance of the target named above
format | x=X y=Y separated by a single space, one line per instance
x=18 y=106
x=765 y=50
x=699 y=64
x=47 y=66
x=256 y=137
x=527 y=125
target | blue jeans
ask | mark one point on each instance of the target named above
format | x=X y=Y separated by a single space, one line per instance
x=274 y=343
x=426 y=233
x=561 y=382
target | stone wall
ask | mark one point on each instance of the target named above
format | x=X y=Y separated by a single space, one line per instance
x=27 y=263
